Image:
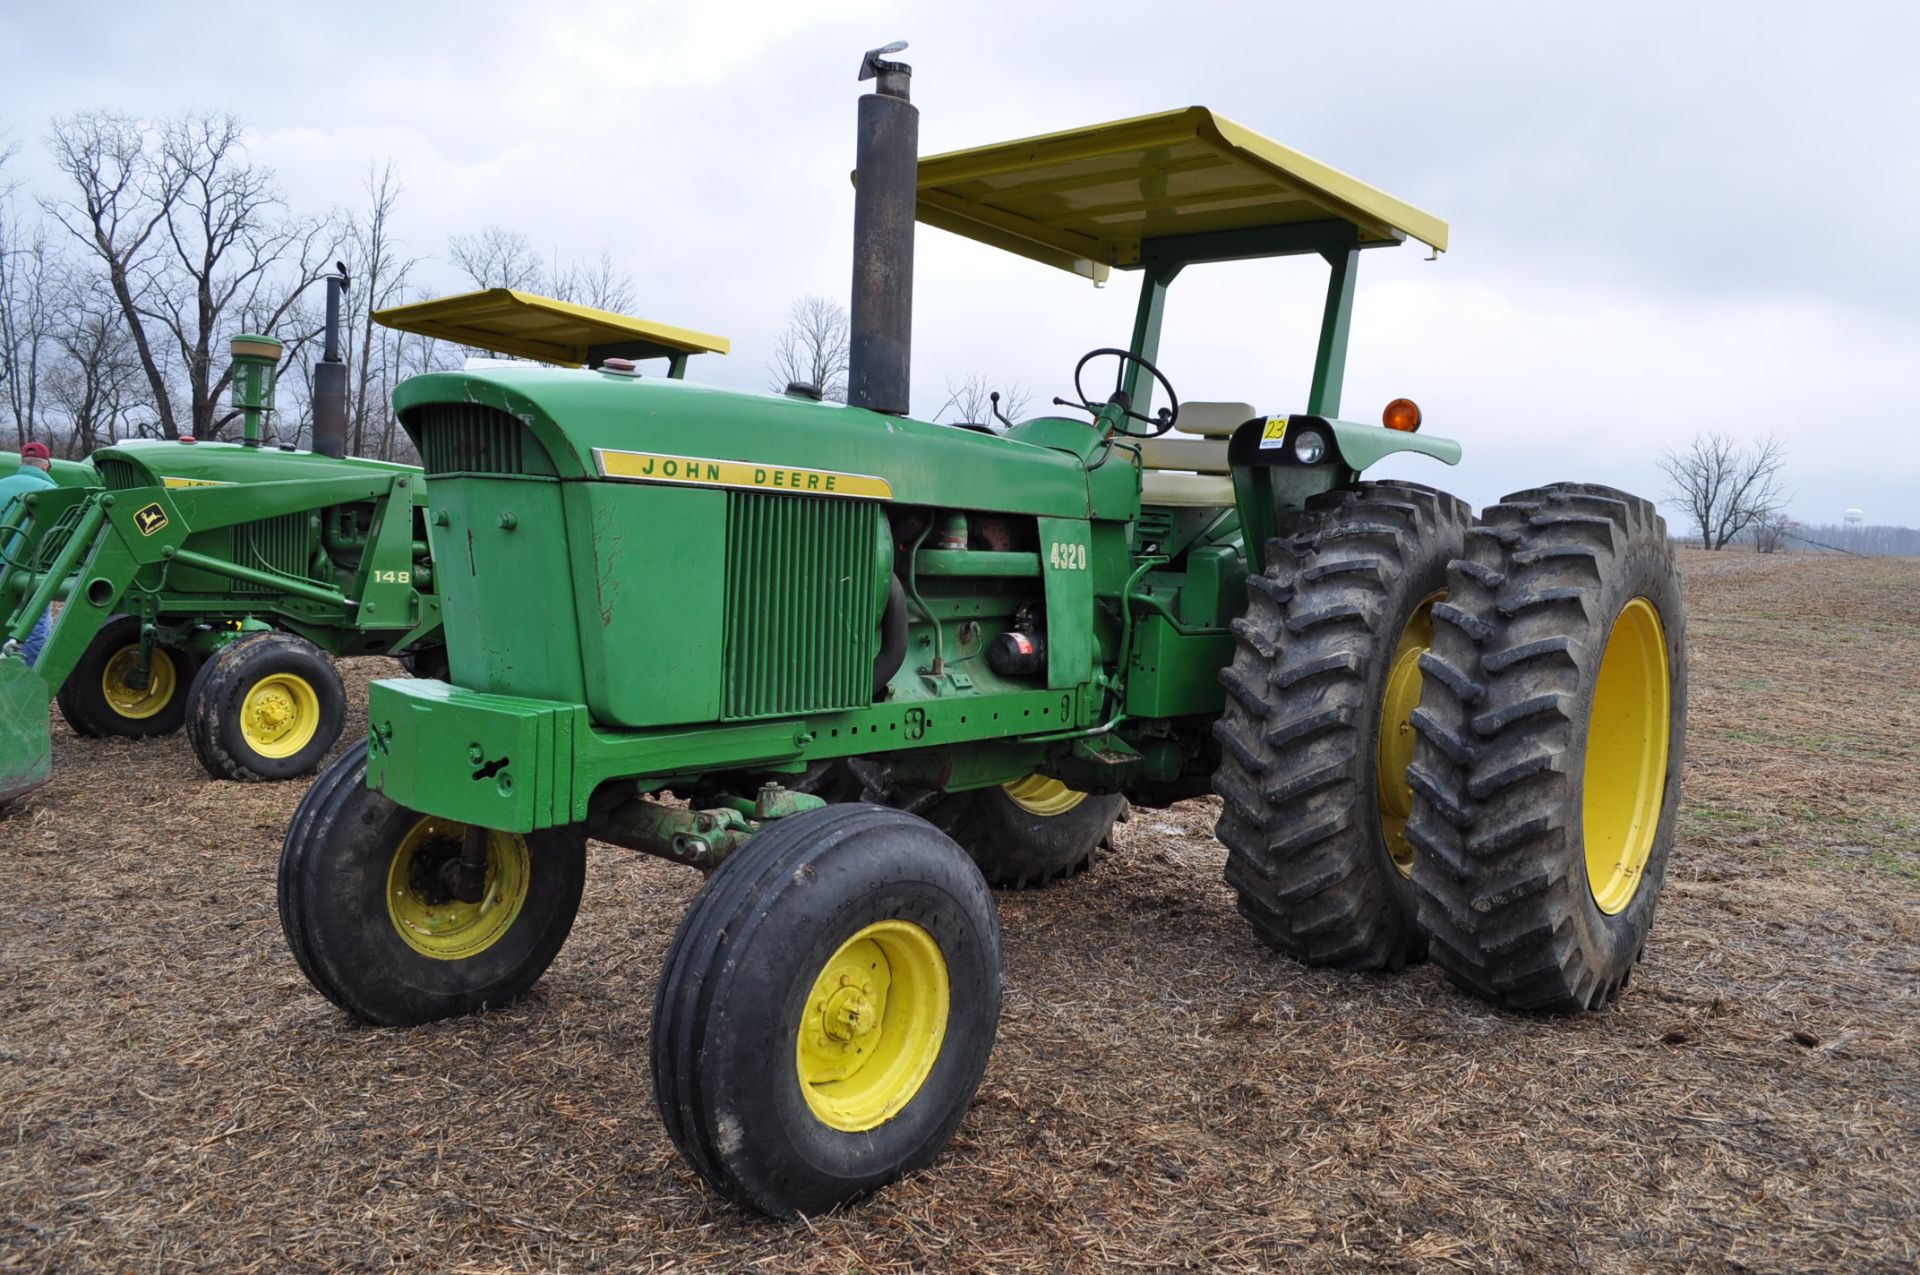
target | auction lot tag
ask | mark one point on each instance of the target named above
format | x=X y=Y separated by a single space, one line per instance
x=1275 y=433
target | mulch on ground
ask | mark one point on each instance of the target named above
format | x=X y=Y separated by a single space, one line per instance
x=1164 y=1094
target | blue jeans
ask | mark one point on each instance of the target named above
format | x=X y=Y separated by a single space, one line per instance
x=30 y=649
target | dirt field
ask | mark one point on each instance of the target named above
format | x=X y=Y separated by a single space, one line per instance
x=1163 y=1096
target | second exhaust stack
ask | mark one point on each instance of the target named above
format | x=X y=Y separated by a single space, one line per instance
x=330 y=376
x=880 y=354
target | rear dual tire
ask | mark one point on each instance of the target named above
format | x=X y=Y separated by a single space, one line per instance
x=1314 y=735
x=1546 y=776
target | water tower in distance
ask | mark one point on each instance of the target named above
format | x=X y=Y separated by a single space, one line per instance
x=1854 y=517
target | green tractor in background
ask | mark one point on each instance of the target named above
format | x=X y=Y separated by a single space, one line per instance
x=207 y=584
x=884 y=663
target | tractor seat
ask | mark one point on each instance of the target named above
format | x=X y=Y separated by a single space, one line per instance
x=1188 y=467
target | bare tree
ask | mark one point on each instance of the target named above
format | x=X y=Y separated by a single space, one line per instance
x=597 y=283
x=497 y=258
x=380 y=276
x=29 y=284
x=1725 y=485
x=971 y=401
x=1770 y=532
x=96 y=377
x=812 y=349
x=192 y=237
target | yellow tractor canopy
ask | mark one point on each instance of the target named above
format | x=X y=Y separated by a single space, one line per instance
x=523 y=325
x=1087 y=199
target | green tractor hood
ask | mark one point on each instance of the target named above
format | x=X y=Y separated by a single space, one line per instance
x=150 y=462
x=622 y=428
x=641 y=518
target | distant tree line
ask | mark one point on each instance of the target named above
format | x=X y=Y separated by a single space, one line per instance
x=1898 y=542
x=160 y=240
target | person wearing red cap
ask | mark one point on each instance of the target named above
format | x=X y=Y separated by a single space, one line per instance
x=35 y=461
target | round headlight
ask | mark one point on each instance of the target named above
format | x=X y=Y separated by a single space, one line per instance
x=1309 y=446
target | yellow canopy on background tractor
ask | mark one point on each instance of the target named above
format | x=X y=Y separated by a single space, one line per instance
x=526 y=326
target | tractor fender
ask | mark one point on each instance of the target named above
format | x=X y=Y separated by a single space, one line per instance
x=1270 y=440
x=1271 y=480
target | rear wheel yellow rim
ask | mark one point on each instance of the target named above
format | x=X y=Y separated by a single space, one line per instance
x=432 y=922
x=873 y=1025
x=279 y=715
x=1043 y=795
x=137 y=703
x=1626 y=770
x=1394 y=750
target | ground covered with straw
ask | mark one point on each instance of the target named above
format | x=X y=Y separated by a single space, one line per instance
x=1164 y=1094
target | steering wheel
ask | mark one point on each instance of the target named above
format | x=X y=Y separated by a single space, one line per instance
x=1159 y=423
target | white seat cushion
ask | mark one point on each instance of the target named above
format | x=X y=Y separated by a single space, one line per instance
x=1212 y=420
x=1198 y=460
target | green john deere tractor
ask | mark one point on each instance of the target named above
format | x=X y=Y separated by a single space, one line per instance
x=206 y=584
x=882 y=663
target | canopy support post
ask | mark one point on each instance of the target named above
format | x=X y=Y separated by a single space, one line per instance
x=1330 y=360
x=1154 y=279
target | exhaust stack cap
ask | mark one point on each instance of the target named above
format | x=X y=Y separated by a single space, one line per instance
x=893 y=76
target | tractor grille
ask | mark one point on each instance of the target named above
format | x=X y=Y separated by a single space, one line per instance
x=280 y=544
x=468 y=439
x=117 y=474
x=801 y=630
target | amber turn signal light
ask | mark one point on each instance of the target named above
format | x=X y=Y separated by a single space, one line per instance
x=1402 y=414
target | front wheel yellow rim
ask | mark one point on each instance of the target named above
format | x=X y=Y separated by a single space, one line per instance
x=1394 y=749
x=279 y=715
x=138 y=703
x=1043 y=795
x=428 y=917
x=1626 y=768
x=872 y=1026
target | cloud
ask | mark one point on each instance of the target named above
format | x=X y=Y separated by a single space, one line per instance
x=1665 y=218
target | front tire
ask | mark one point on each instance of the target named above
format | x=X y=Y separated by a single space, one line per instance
x=1315 y=737
x=368 y=922
x=1552 y=734
x=267 y=707
x=827 y=1009
x=100 y=702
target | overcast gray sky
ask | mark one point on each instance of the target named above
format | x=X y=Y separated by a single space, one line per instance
x=1665 y=217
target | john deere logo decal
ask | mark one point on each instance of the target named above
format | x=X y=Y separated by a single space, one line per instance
x=150 y=519
x=698 y=471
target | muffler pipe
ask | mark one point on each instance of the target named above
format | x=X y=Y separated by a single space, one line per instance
x=330 y=376
x=880 y=353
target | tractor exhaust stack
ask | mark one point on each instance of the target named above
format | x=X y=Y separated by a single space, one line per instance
x=880 y=355
x=330 y=376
